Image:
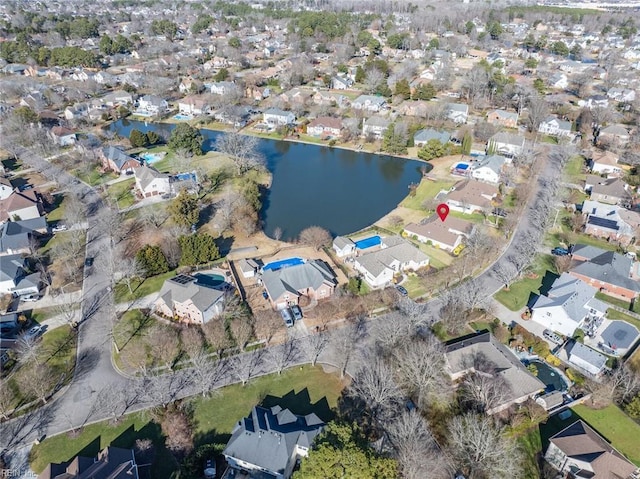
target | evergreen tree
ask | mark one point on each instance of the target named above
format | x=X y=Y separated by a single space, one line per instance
x=138 y=139
x=403 y=89
x=467 y=141
x=432 y=149
x=197 y=249
x=184 y=209
x=185 y=137
x=152 y=260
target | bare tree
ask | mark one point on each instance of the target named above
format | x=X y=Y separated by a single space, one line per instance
x=420 y=366
x=216 y=335
x=28 y=348
x=6 y=400
x=191 y=340
x=69 y=312
x=373 y=79
x=344 y=342
x=154 y=216
x=244 y=366
x=481 y=448
x=375 y=384
x=284 y=355
x=115 y=401
x=36 y=381
x=207 y=371
x=242 y=330
x=506 y=272
x=485 y=388
x=242 y=149
x=130 y=269
x=164 y=345
x=537 y=111
x=618 y=385
x=315 y=236
x=313 y=346
x=177 y=429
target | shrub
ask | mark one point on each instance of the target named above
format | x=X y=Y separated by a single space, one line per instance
x=575 y=376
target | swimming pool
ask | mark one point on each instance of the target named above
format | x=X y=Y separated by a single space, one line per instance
x=550 y=377
x=151 y=158
x=182 y=117
x=210 y=279
x=283 y=263
x=368 y=242
x=462 y=166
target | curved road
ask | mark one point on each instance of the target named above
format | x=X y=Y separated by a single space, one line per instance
x=97 y=383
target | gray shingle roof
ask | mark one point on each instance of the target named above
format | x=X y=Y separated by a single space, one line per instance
x=569 y=293
x=608 y=267
x=116 y=155
x=493 y=162
x=587 y=354
x=146 y=175
x=182 y=288
x=377 y=261
x=268 y=437
x=311 y=274
x=430 y=134
x=11 y=266
x=16 y=235
x=508 y=139
x=340 y=242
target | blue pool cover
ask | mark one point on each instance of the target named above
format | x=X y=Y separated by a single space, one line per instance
x=368 y=242
x=283 y=263
x=462 y=166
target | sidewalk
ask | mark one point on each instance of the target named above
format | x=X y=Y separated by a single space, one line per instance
x=47 y=301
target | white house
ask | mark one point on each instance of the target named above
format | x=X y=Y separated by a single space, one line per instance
x=621 y=94
x=62 y=136
x=488 y=168
x=324 y=126
x=277 y=117
x=506 y=144
x=594 y=101
x=14 y=278
x=117 y=98
x=569 y=302
x=605 y=163
x=553 y=126
x=469 y=196
x=376 y=126
x=152 y=105
x=150 y=182
x=343 y=246
x=585 y=358
x=396 y=255
x=223 y=87
x=370 y=103
x=341 y=83
x=559 y=81
x=457 y=112
x=193 y=105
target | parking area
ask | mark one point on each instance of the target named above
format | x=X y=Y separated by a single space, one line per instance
x=613 y=337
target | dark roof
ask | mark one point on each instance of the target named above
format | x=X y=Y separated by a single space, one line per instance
x=608 y=266
x=116 y=155
x=268 y=437
x=111 y=463
x=15 y=235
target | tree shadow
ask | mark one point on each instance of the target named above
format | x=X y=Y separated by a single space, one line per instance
x=224 y=244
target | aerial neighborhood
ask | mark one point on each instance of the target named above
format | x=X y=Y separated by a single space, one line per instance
x=319 y=239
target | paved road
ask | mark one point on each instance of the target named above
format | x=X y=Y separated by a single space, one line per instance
x=95 y=377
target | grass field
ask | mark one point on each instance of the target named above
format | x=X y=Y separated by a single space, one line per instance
x=141 y=289
x=614 y=314
x=519 y=292
x=427 y=190
x=615 y=426
x=618 y=302
x=121 y=193
x=214 y=417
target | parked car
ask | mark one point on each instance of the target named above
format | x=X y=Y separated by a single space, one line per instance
x=287 y=318
x=210 y=469
x=34 y=331
x=297 y=312
x=402 y=290
x=557 y=251
x=88 y=262
x=265 y=295
x=27 y=298
x=58 y=228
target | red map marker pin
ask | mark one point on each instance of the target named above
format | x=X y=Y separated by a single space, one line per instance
x=443 y=211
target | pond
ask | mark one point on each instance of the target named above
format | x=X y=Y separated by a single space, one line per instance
x=549 y=376
x=340 y=190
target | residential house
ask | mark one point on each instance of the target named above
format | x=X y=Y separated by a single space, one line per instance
x=343 y=246
x=605 y=163
x=150 y=182
x=422 y=137
x=469 y=196
x=341 y=83
x=184 y=298
x=249 y=267
x=370 y=103
x=612 y=191
x=446 y=235
x=396 y=255
x=578 y=452
x=118 y=98
x=236 y=115
x=62 y=136
x=614 y=135
x=558 y=81
x=104 y=78
x=482 y=353
x=324 y=126
x=567 y=305
x=75 y=112
x=594 y=101
x=506 y=144
x=270 y=441
x=623 y=95
x=115 y=159
x=611 y=222
x=503 y=118
x=550 y=401
x=277 y=117
x=313 y=279
x=297 y=96
x=553 y=126
x=21 y=236
x=21 y=205
x=329 y=98
x=457 y=112
x=14 y=278
x=6 y=188
x=193 y=105
x=223 y=87
x=152 y=105
x=608 y=271
x=375 y=126
x=8 y=322
x=586 y=359
x=110 y=463
x=488 y=168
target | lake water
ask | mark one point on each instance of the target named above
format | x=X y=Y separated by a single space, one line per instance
x=340 y=190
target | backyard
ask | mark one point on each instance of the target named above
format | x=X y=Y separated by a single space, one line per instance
x=121 y=193
x=426 y=190
x=542 y=275
x=214 y=417
x=141 y=288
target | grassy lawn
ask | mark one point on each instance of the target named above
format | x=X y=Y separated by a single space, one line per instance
x=141 y=289
x=93 y=177
x=615 y=426
x=41 y=314
x=121 y=193
x=634 y=360
x=614 y=314
x=618 y=302
x=474 y=217
x=531 y=445
x=58 y=212
x=519 y=292
x=214 y=418
x=414 y=286
x=574 y=168
x=426 y=190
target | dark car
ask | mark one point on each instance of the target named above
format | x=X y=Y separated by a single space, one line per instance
x=402 y=290
x=88 y=262
x=265 y=295
x=297 y=312
x=287 y=318
x=557 y=251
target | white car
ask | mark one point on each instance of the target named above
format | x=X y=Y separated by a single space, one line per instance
x=30 y=298
x=58 y=228
x=34 y=331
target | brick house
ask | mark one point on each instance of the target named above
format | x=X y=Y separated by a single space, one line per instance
x=184 y=298
x=503 y=118
x=324 y=126
x=116 y=160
